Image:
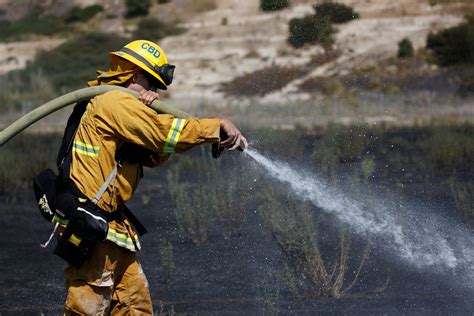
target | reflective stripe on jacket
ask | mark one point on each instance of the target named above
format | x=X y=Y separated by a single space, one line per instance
x=112 y=120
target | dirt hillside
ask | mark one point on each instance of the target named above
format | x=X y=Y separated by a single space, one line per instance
x=229 y=38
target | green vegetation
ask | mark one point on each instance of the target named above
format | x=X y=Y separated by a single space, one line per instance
x=335 y=12
x=312 y=30
x=273 y=5
x=39 y=22
x=454 y=148
x=154 y=30
x=405 y=48
x=74 y=62
x=453 y=45
x=137 y=8
x=31 y=24
x=318 y=28
x=78 y=14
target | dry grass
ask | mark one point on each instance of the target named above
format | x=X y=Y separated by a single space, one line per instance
x=393 y=76
x=463 y=195
x=202 y=209
x=310 y=273
x=263 y=81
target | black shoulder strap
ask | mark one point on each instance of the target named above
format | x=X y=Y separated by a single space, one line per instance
x=70 y=131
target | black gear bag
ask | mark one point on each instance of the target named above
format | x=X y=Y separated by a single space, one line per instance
x=60 y=202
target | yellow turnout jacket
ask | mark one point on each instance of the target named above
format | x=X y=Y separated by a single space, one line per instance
x=112 y=120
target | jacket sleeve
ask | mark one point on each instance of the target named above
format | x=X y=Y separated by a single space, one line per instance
x=122 y=115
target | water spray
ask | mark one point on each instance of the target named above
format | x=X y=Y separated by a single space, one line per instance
x=419 y=242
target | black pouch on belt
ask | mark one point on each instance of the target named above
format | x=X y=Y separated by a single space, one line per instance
x=87 y=226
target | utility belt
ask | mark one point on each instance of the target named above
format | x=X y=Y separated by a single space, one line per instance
x=60 y=202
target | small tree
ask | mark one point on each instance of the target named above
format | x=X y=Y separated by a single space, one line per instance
x=153 y=30
x=311 y=29
x=336 y=12
x=453 y=45
x=78 y=14
x=137 y=8
x=405 y=48
x=273 y=5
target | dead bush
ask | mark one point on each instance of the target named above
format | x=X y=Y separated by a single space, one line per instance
x=463 y=195
x=262 y=81
x=310 y=272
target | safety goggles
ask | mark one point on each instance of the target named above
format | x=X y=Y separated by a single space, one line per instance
x=165 y=72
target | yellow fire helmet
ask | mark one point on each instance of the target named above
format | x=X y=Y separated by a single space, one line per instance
x=149 y=57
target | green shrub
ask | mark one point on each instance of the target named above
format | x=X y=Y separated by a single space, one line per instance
x=78 y=14
x=273 y=5
x=311 y=29
x=74 y=62
x=152 y=29
x=335 y=12
x=341 y=145
x=453 y=45
x=405 y=48
x=137 y=8
x=448 y=149
x=34 y=23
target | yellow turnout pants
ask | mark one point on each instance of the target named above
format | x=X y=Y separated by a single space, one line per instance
x=110 y=282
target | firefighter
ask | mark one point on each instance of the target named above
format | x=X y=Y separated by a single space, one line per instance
x=111 y=280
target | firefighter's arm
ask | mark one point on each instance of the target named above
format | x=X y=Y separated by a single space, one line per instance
x=124 y=116
x=231 y=137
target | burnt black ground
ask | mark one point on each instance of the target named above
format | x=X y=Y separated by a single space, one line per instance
x=243 y=274
x=239 y=275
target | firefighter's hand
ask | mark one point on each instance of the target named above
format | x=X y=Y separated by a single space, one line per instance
x=234 y=139
x=148 y=96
